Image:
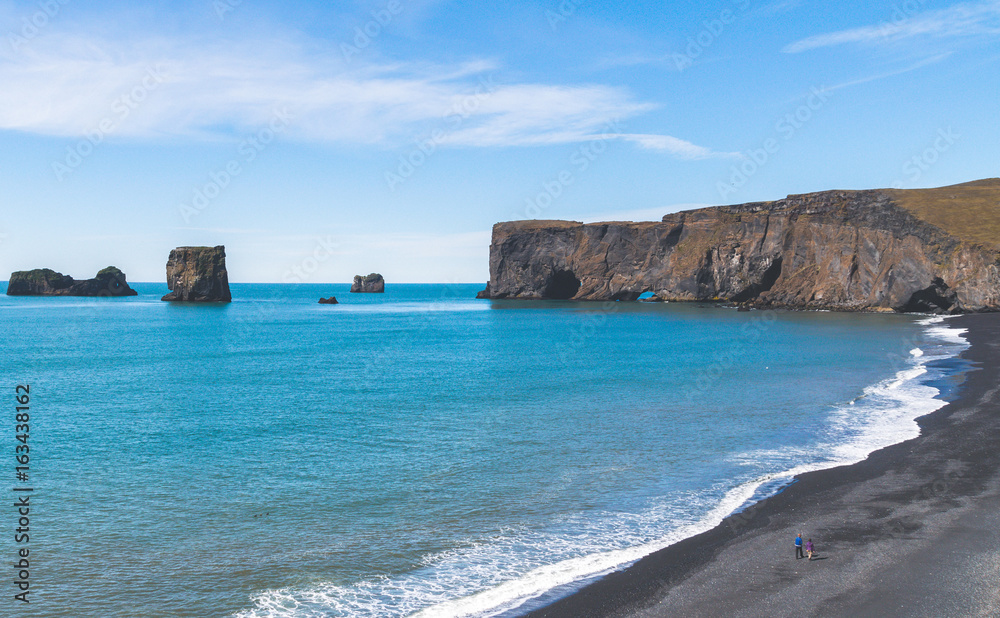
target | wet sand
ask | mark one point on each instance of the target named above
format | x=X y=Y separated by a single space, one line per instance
x=914 y=530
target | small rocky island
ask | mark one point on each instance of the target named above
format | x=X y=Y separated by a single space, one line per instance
x=109 y=281
x=198 y=274
x=372 y=284
x=329 y=301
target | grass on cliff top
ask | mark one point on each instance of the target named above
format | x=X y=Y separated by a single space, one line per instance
x=37 y=275
x=970 y=211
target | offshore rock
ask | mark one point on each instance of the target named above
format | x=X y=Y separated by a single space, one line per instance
x=923 y=250
x=373 y=283
x=109 y=281
x=329 y=301
x=198 y=274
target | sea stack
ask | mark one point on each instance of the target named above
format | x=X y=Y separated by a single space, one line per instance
x=198 y=274
x=109 y=281
x=328 y=301
x=372 y=284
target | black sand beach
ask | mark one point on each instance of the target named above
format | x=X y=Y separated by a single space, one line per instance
x=914 y=530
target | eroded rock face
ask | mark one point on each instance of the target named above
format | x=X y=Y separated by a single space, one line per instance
x=373 y=283
x=109 y=281
x=842 y=250
x=198 y=274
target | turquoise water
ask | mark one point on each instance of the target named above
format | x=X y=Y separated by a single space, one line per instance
x=418 y=450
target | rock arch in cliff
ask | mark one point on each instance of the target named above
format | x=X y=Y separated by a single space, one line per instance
x=936 y=298
x=561 y=285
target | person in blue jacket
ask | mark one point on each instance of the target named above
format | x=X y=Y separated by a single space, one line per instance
x=798 y=547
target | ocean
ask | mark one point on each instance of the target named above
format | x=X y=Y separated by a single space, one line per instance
x=418 y=452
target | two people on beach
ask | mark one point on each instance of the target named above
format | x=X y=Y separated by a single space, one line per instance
x=808 y=547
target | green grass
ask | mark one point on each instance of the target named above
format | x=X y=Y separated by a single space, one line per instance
x=38 y=275
x=969 y=211
x=110 y=270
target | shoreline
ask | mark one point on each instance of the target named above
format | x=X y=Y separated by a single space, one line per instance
x=893 y=517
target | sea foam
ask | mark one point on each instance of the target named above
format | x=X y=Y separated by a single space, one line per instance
x=495 y=576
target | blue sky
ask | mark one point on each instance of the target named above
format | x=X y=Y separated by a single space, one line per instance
x=321 y=140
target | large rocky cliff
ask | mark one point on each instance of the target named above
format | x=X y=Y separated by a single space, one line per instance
x=46 y=282
x=931 y=250
x=198 y=274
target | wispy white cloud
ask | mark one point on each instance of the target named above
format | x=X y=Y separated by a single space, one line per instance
x=965 y=19
x=779 y=6
x=530 y=114
x=878 y=76
x=675 y=146
x=616 y=61
x=75 y=84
